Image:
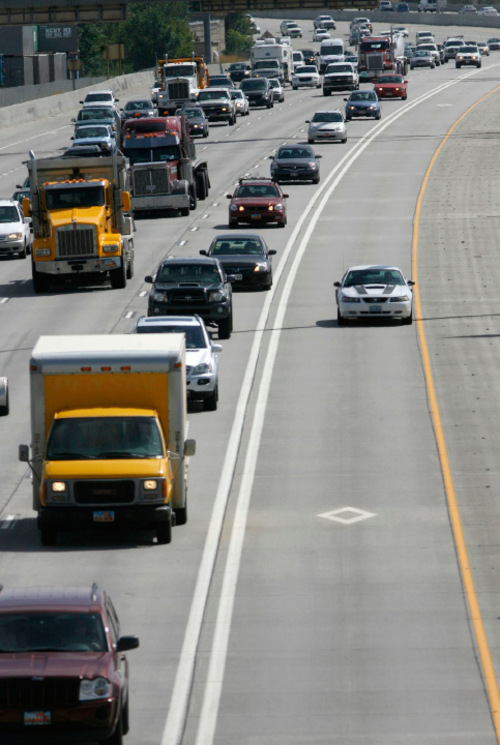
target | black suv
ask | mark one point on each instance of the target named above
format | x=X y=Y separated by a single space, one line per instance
x=71 y=635
x=258 y=91
x=189 y=286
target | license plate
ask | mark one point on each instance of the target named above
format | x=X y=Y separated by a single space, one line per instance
x=375 y=309
x=255 y=217
x=104 y=516
x=238 y=276
x=36 y=717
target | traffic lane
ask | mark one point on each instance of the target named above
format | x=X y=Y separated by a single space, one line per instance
x=459 y=275
x=383 y=391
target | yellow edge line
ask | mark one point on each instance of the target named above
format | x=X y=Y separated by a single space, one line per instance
x=456 y=522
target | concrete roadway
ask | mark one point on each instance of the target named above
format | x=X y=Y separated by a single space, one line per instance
x=311 y=630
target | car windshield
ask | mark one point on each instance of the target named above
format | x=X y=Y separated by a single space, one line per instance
x=191 y=113
x=208 y=95
x=85 y=132
x=390 y=79
x=9 y=214
x=54 y=631
x=203 y=273
x=90 y=114
x=338 y=68
x=373 y=276
x=471 y=50
x=94 y=438
x=98 y=98
x=163 y=154
x=328 y=116
x=286 y=153
x=229 y=247
x=236 y=94
x=307 y=69
x=138 y=106
x=195 y=338
x=274 y=83
x=237 y=66
x=76 y=196
x=422 y=53
x=363 y=96
x=257 y=191
x=253 y=85
x=333 y=49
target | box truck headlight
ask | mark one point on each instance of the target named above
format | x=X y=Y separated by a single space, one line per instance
x=43 y=252
x=150 y=485
x=111 y=248
x=58 y=487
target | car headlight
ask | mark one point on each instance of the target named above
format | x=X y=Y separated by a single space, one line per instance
x=203 y=368
x=312 y=164
x=93 y=689
x=14 y=236
x=160 y=297
x=216 y=297
x=349 y=299
x=233 y=207
x=399 y=299
x=370 y=108
x=275 y=207
x=260 y=267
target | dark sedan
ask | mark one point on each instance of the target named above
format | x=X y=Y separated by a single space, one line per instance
x=295 y=163
x=244 y=256
x=362 y=103
x=198 y=122
x=238 y=71
x=138 y=108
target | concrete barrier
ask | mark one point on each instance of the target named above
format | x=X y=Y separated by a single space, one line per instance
x=69 y=102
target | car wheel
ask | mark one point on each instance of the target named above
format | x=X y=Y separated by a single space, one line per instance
x=409 y=320
x=233 y=223
x=348 y=118
x=184 y=211
x=225 y=327
x=478 y=64
x=130 y=268
x=326 y=93
x=341 y=321
x=210 y=402
x=48 y=534
x=405 y=97
x=310 y=142
x=22 y=254
x=181 y=514
x=294 y=87
x=125 y=719
x=205 y=133
x=457 y=67
x=344 y=140
x=117 y=736
x=164 y=531
x=316 y=180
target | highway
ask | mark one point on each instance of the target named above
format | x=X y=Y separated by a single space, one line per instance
x=316 y=594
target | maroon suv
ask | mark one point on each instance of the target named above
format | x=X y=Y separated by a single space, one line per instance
x=63 y=674
x=259 y=201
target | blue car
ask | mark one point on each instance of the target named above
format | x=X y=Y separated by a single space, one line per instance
x=363 y=103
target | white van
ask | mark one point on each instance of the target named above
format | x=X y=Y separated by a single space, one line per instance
x=331 y=50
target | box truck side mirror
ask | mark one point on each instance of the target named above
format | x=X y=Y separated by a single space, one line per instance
x=126 y=203
x=24 y=453
x=26 y=207
x=189 y=447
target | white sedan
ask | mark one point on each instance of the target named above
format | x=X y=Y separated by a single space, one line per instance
x=374 y=291
x=306 y=76
x=321 y=33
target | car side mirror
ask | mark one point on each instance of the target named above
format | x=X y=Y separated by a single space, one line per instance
x=217 y=347
x=410 y=282
x=272 y=252
x=406 y=82
x=203 y=252
x=318 y=156
x=231 y=278
x=149 y=279
x=127 y=642
x=271 y=157
x=229 y=196
x=285 y=196
x=308 y=121
x=336 y=284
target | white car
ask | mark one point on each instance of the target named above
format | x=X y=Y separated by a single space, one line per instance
x=101 y=97
x=324 y=22
x=306 y=76
x=327 y=126
x=432 y=48
x=488 y=10
x=4 y=396
x=319 y=34
x=202 y=361
x=278 y=90
x=374 y=291
x=241 y=101
x=401 y=30
x=297 y=59
x=15 y=234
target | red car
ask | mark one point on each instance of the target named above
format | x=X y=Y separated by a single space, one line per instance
x=257 y=201
x=63 y=671
x=391 y=86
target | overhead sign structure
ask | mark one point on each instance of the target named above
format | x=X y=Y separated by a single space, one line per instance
x=47 y=12
x=243 y=6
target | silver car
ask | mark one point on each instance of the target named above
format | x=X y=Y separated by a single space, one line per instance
x=328 y=126
x=241 y=102
x=15 y=236
x=202 y=360
x=278 y=90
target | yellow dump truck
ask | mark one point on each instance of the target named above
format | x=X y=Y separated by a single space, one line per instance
x=108 y=429
x=82 y=220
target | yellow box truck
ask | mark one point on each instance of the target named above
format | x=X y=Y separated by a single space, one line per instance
x=108 y=429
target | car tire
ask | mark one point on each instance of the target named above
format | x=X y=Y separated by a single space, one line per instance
x=117 y=736
x=378 y=116
x=294 y=87
x=225 y=327
x=457 y=67
x=326 y=93
x=341 y=321
x=184 y=211
x=210 y=402
x=181 y=514
x=22 y=254
x=310 y=142
x=348 y=118
x=316 y=180
x=205 y=133
x=478 y=65
x=164 y=531
x=233 y=223
x=125 y=719
x=130 y=268
x=344 y=141
x=405 y=97
x=48 y=534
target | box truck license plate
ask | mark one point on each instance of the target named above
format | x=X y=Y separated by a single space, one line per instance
x=37 y=717
x=104 y=516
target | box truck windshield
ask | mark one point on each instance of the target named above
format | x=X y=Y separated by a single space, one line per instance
x=62 y=198
x=83 y=438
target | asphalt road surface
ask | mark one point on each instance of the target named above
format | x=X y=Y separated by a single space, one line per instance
x=316 y=594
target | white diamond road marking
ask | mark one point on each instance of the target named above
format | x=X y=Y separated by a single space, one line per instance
x=347 y=515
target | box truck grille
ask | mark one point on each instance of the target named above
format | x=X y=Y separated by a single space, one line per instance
x=375 y=62
x=75 y=241
x=26 y=693
x=150 y=182
x=179 y=89
x=104 y=492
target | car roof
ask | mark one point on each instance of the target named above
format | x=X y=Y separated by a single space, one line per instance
x=51 y=598
x=238 y=237
x=372 y=266
x=5 y=202
x=208 y=260
x=193 y=320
